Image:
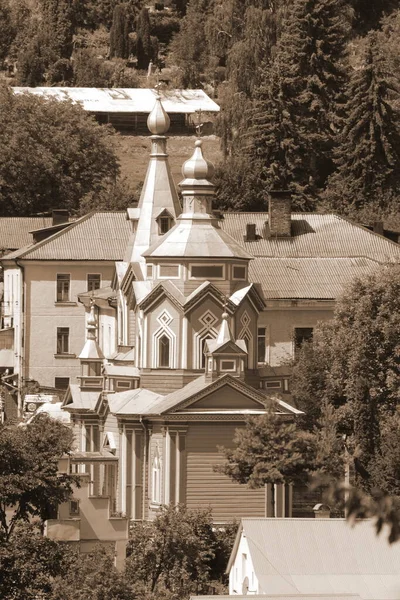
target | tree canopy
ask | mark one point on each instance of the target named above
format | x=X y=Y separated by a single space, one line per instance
x=30 y=484
x=53 y=153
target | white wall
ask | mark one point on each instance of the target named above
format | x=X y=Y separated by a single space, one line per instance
x=241 y=568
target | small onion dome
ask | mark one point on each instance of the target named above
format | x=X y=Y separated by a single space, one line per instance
x=158 y=120
x=197 y=167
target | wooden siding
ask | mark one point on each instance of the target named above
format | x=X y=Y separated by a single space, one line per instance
x=204 y=487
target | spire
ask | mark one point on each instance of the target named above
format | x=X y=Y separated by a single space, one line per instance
x=159 y=197
x=198 y=234
x=224 y=334
x=91 y=349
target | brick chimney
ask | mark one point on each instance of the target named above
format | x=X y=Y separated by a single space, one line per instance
x=60 y=216
x=280 y=224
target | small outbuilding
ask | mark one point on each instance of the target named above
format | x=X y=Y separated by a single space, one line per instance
x=127 y=109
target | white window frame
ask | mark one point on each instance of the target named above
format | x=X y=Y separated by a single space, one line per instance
x=156 y=479
x=169 y=276
x=239 y=278
x=206 y=265
x=267 y=345
x=61 y=338
x=229 y=361
x=274 y=384
x=69 y=287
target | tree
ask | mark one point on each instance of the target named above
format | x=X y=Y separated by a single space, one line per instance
x=144 y=47
x=30 y=562
x=291 y=131
x=368 y=152
x=53 y=153
x=7 y=30
x=176 y=554
x=81 y=581
x=119 y=34
x=355 y=360
x=30 y=484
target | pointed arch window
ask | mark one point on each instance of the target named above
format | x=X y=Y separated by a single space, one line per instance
x=156 y=479
x=163 y=351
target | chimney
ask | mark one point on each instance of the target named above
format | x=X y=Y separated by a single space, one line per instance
x=280 y=223
x=378 y=227
x=60 y=216
x=250 y=232
x=322 y=511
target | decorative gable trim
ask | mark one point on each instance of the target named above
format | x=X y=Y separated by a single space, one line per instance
x=205 y=290
x=158 y=292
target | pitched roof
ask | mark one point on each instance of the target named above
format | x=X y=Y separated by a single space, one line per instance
x=313 y=236
x=15 y=231
x=323 y=278
x=75 y=399
x=321 y=556
x=97 y=236
x=133 y=402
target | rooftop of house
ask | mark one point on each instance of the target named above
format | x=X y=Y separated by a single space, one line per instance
x=321 y=556
x=98 y=236
x=15 y=232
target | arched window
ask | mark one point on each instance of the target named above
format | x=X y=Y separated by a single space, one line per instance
x=156 y=479
x=163 y=351
x=203 y=347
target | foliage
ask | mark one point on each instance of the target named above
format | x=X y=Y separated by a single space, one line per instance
x=368 y=152
x=119 y=34
x=30 y=484
x=29 y=563
x=7 y=31
x=144 y=48
x=177 y=554
x=65 y=154
x=269 y=450
x=82 y=581
x=118 y=196
x=354 y=364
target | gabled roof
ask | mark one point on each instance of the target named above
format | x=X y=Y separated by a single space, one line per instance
x=313 y=236
x=321 y=556
x=155 y=291
x=133 y=402
x=15 y=232
x=322 y=278
x=97 y=236
x=79 y=401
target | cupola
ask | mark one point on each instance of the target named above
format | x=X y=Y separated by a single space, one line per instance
x=225 y=355
x=159 y=205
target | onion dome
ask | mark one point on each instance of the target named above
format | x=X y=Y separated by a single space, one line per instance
x=158 y=121
x=197 y=167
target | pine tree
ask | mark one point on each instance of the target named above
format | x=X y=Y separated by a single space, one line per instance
x=368 y=154
x=292 y=132
x=119 y=33
x=144 y=47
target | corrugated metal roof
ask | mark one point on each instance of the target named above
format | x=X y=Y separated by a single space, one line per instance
x=313 y=235
x=96 y=236
x=133 y=402
x=323 y=556
x=81 y=400
x=15 y=231
x=128 y=100
x=323 y=278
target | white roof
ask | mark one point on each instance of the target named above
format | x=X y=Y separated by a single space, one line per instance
x=322 y=556
x=128 y=100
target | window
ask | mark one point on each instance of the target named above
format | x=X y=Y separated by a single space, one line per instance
x=168 y=271
x=301 y=335
x=207 y=272
x=149 y=271
x=61 y=383
x=227 y=365
x=239 y=272
x=123 y=385
x=163 y=349
x=262 y=345
x=62 y=340
x=272 y=385
x=63 y=285
x=93 y=282
x=156 y=479
x=74 y=507
x=203 y=348
x=164 y=224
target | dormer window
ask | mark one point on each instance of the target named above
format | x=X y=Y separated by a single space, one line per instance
x=165 y=222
